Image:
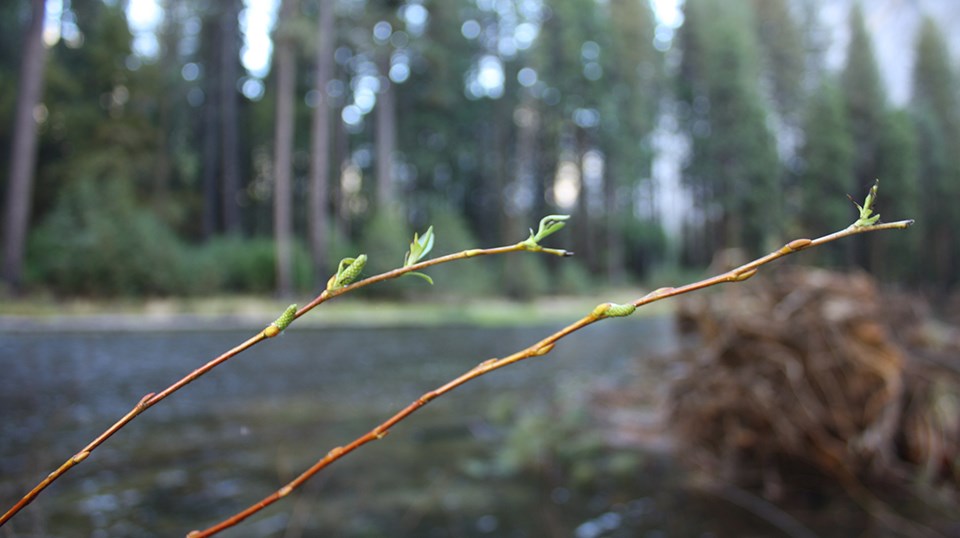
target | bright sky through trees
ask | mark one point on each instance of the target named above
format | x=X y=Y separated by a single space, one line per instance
x=258 y=17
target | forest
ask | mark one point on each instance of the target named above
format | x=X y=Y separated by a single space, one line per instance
x=155 y=161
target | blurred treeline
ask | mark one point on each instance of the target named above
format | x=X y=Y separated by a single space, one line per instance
x=182 y=173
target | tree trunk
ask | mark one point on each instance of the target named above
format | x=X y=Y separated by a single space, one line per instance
x=386 y=141
x=229 y=150
x=285 y=58
x=320 y=143
x=341 y=159
x=211 y=169
x=23 y=150
x=163 y=167
x=614 y=216
x=523 y=192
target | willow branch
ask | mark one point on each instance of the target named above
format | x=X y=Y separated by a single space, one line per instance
x=270 y=331
x=538 y=349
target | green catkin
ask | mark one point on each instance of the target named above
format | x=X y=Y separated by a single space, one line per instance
x=613 y=310
x=286 y=318
x=352 y=272
x=282 y=322
x=620 y=310
x=346 y=275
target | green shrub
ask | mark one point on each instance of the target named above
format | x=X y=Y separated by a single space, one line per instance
x=461 y=278
x=572 y=278
x=524 y=276
x=241 y=264
x=385 y=239
x=97 y=241
x=248 y=265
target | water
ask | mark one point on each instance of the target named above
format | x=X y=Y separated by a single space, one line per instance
x=254 y=423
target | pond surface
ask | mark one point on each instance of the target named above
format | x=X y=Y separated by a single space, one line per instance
x=255 y=422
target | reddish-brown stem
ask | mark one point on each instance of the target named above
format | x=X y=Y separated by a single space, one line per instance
x=400 y=271
x=540 y=348
x=152 y=399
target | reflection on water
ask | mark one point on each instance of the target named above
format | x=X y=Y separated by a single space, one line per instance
x=235 y=435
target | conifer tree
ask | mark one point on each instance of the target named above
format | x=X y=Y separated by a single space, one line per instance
x=732 y=166
x=935 y=109
x=568 y=59
x=896 y=256
x=827 y=158
x=865 y=101
x=782 y=49
x=628 y=115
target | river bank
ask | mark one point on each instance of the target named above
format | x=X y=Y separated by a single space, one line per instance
x=254 y=312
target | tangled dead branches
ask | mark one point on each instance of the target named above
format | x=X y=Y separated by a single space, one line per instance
x=813 y=370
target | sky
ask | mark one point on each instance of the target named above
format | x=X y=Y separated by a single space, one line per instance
x=256 y=21
x=259 y=16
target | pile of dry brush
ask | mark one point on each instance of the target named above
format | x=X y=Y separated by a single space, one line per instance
x=808 y=369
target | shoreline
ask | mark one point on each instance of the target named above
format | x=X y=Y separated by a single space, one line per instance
x=245 y=313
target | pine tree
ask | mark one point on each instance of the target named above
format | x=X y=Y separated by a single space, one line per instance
x=827 y=164
x=782 y=49
x=732 y=167
x=445 y=134
x=865 y=100
x=895 y=257
x=569 y=59
x=628 y=115
x=935 y=108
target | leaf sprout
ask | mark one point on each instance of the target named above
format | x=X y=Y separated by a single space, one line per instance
x=866 y=210
x=548 y=226
x=419 y=247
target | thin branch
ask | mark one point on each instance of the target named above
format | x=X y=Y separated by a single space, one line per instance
x=540 y=348
x=270 y=331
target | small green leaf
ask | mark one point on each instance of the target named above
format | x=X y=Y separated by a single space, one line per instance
x=423 y=276
x=420 y=247
x=548 y=226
